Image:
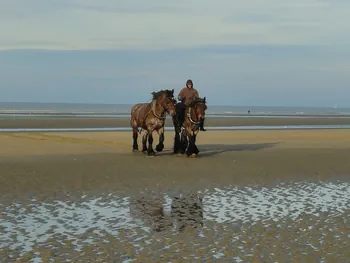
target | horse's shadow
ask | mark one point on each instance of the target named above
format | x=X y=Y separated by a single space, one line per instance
x=208 y=150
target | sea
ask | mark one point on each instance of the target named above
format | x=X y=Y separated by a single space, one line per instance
x=124 y=109
x=81 y=110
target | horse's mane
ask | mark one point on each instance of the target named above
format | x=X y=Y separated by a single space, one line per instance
x=197 y=100
x=168 y=94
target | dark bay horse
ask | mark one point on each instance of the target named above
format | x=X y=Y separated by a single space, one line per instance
x=185 y=135
x=151 y=117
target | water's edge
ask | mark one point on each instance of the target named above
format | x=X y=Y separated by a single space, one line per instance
x=209 y=128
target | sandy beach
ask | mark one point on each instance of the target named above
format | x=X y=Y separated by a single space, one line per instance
x=48 y=167
x=266 y=83
x=241 y=156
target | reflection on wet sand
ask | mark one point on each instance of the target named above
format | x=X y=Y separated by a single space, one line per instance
x=150 y=210
x=297 y=222
x=186 y=211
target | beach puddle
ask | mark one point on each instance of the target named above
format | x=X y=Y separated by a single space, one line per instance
x=297 y=222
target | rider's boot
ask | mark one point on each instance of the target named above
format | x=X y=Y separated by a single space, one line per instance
x=201 y=125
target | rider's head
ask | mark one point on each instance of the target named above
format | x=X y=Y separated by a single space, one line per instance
x=189 y=83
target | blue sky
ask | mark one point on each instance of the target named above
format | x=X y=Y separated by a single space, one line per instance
x=254 y=52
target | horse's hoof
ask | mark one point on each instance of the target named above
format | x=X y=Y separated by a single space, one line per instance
x=151 y=154
x=193 y=155
x=159 y=148
x=135 y=150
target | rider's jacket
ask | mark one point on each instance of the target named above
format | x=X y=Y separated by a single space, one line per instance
x=188 y=94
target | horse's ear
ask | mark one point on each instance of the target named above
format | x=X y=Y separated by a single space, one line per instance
x=205 y=99
x=172 y=91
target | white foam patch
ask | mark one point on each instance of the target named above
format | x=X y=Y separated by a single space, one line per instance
x=256 y=204
x=22 y=229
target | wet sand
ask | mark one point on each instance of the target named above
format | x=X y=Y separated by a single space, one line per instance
x=87 y=122
x=266 y=196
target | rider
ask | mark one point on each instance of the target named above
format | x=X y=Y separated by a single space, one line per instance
x=185 y=96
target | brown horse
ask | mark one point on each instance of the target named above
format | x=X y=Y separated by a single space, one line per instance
x=186 y=133
x=151 y=117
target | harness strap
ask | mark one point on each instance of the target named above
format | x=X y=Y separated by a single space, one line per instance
x=190 y=118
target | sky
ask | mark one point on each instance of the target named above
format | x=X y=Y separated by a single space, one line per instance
x=244 y=53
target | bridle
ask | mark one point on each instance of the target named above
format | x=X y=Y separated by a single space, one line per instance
x=197 y=121
x=165 y=108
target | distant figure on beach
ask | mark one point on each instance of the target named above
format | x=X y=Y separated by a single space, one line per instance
x=186 y=96
x=249 y=112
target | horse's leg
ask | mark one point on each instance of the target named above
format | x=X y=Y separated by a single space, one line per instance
x=135 y=146
x=195 y=149
x=180 y=142
x=150 y=143
x=175 y=146
x=189 y=150
x=160 y=145
x=144 y=142
x=191 y=145
x=184 y=142
x=177 y=143
x=178 y=147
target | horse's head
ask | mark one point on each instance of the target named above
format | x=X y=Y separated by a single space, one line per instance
x=166 y=99
x=199 y=105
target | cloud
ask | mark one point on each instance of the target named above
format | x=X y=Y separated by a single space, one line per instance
x=237 y=52
x=156 y=24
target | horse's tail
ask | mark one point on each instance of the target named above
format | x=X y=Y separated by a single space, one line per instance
x=132 y=115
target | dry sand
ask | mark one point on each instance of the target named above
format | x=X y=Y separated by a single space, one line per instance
x=36 y=168
x=79 y=122
x=95 y=160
